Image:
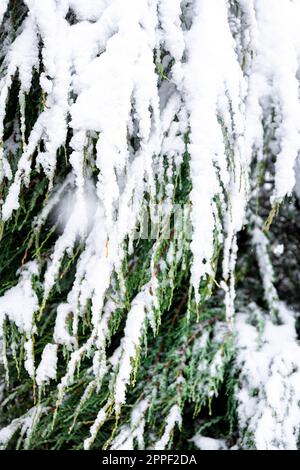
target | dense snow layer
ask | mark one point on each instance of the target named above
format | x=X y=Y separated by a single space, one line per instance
x=136 y=83
x=85 y=91
x=18 y=305
x=268 y=400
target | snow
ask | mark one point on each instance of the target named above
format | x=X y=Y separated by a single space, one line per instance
x=208 y=443
x=19 y=305
x=61 y=334
x=213 y=84
x=158 y=73
x=278 y=249
x=25 y=424
x=173 y=418
x=90 y=10
x=95 y=427
x=73 y=64
x=134 y=431
x=268 y=400
x=133 y=332
x=29 y=360
x=3 y=7
x=261 y=244
x=47 y=367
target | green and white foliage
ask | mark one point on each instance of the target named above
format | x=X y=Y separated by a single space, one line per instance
x=116 y=334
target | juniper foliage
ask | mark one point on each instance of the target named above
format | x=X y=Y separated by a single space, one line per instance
x=186 y=338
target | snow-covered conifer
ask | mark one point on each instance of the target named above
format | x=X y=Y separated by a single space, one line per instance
x=149 y=220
